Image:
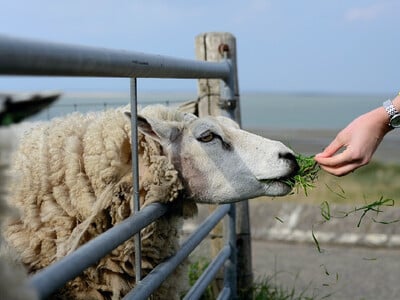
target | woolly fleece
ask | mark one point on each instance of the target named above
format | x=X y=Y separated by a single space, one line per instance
x=73 y=181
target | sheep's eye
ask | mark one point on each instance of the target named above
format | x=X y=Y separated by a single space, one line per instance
x=207 y=137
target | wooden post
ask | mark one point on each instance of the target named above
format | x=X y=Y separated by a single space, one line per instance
x=212 y=47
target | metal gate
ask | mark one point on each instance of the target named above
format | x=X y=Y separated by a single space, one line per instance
x=28 y=57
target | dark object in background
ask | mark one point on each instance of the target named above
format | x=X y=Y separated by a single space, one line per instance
x=13 y=108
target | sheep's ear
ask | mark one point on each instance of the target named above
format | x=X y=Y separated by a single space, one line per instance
x=158 y=130
x=188 y=117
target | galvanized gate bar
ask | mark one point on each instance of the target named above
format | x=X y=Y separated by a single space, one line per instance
x=30 y=57
x=230 y=265
x=135 y=176
x=155 y=278
x=55 y=276
x=225 y=294
x=208 y=274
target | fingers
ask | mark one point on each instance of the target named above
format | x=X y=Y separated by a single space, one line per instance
x=340 y=164
x=335 y=160
x=333 y=147
x=341 y=170
x=359 y=141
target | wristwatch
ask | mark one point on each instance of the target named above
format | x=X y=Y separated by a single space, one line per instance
x=394 y=115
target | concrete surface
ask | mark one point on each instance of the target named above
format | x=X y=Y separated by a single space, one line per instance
x=345 y=272
x=361 y=263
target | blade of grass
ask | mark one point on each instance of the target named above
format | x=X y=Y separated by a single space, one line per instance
x=341 y=194
x=315 y=240
x=325 y=210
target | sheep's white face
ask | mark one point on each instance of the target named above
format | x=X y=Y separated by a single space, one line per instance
x=219 y=162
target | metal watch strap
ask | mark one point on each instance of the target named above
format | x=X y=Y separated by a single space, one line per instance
x=389 y=107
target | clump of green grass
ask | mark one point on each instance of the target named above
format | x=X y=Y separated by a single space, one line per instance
x=195 y=270
x=307 y=175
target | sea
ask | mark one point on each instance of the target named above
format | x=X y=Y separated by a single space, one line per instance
x=263 y=110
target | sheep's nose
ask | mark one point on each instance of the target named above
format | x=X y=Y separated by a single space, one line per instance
x=286 y=155
x=291 y=159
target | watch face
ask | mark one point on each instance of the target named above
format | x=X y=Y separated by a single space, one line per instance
x=395 y=121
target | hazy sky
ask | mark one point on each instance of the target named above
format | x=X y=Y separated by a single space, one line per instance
x=284 y=46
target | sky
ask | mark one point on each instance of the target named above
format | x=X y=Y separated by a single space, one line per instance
x=340 y=46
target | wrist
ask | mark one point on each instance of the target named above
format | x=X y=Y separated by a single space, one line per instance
x=382 y=117
x=378 y=121
x=396 y=102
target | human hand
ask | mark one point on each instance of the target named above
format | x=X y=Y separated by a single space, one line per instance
x=358 y=140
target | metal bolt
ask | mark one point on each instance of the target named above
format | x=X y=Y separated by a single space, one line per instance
x=223 y=49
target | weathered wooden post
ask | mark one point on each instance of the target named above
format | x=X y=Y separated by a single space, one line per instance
x=215 y=46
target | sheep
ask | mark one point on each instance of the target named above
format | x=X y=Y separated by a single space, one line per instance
x=74 y=181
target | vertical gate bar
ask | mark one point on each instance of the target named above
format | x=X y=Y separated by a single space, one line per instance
x=135 y=175
x=230 y=265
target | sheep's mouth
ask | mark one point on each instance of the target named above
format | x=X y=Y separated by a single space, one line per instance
x=288 y=179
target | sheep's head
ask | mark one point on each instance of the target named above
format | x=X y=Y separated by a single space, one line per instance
x=220 y=163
